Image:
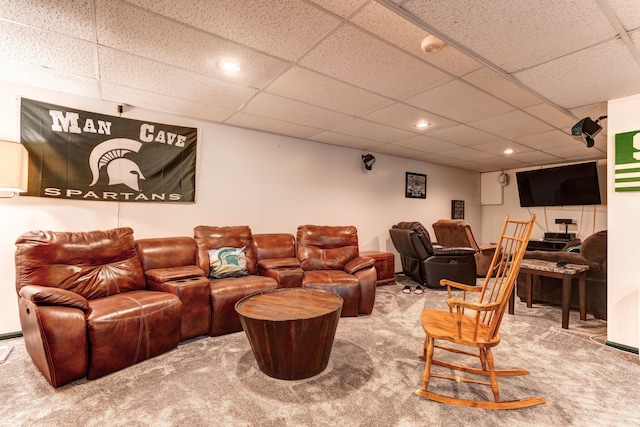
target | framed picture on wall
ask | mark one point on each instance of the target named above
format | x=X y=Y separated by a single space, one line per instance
x=457 y=209
x=416 y=186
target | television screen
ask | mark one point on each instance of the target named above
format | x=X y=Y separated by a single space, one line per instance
x=559 y=186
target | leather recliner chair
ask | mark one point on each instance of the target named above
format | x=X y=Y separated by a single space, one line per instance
x=428 y=264
x=457 y=233
x=85 y=309
x=227 y=291
x=330 y=259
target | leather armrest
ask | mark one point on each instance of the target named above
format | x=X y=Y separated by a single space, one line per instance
x=359 y=263
x=161 y=275
x=440 y=251
x=274 y=263
x=44 y=295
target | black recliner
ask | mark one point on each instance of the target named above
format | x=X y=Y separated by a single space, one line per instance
x=427 y=263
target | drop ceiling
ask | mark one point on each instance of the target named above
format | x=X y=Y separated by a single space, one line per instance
x=512 y=74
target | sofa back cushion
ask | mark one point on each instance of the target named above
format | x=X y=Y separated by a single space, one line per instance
x=208 y=237
x=326 y=247
x=166 y=252
x=454 y=233
x=274 y=245
x=93 y=264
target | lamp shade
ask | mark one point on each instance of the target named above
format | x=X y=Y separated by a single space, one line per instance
x=13 y=167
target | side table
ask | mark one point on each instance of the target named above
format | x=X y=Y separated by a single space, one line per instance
x=385 y=266
x=535 y=267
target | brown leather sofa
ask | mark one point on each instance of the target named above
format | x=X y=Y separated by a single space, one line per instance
x=593 y=252
x=329 y=257
x=85 y=308
x=89 y=301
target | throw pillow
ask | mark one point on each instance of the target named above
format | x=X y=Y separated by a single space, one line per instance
x=227 y=262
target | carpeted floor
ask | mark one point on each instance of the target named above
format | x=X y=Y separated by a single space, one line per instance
x=370 y=380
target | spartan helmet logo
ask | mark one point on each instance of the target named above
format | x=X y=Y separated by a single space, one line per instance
x=119 y=169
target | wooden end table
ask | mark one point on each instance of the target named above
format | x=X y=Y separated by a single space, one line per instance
x=534 y=267
x=291 y=330
x=385 y=267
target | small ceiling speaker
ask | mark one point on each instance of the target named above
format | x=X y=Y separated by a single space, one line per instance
x=368 y=160
x=431 y=44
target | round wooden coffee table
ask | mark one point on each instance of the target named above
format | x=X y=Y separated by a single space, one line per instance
x=291 y=330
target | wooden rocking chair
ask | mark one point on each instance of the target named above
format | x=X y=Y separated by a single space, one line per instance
x=476 y=322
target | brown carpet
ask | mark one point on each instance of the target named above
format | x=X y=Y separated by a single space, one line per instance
x=370 y=380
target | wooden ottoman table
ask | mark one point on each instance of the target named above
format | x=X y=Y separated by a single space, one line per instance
x=291 y=330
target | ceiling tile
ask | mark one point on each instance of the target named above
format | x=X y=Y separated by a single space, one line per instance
x=132 y=71
x=512 y=125
x=502 y=88
x=346 y=141
x=575 y=153
x=390 y=26
x=468 y=154
x=544 y=140
x=45 y=48
x=497 y=148
x=403 y=116
x=373 y=131
x=251 y=121
x=459 y=101
x=284 y=28
x=515 y=35
x=317 y=89
x=364 y=61
x=551 y=115
x=394 y=150
x=536 y=158
x=164 y=40
x=627 y=12
x=426 y=144
x=567 y=87
x=342 y=8
x=465 y=135
x=277 y=107
x=496 y=163
x=154 y=101
x=71 y=18
x=48 y=78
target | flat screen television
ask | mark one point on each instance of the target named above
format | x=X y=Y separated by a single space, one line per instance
x=559 y=186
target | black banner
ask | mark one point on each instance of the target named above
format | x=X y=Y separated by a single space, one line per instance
x=76 y=154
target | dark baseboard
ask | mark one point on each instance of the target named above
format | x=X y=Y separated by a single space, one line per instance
x=10 y=335
x=622 y=347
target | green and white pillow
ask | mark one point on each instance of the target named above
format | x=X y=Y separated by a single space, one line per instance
x=227 y=262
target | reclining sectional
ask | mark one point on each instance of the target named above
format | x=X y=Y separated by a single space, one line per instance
x=92 y=303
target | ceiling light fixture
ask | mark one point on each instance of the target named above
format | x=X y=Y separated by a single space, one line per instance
x=228 y=66
x=431 y=44
x=422 y=125
x=508 y=151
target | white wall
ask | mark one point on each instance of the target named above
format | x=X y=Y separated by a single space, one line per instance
x=624 y=234
x=587 y=219
x=269 y=182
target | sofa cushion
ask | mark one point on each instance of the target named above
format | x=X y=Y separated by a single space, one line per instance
x=227 y=262
x=93 y=264
x=212 y=237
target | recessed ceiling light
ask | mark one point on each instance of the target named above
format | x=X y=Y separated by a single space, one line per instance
x=508 y=151
x=422 y=125
x=228 y=66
